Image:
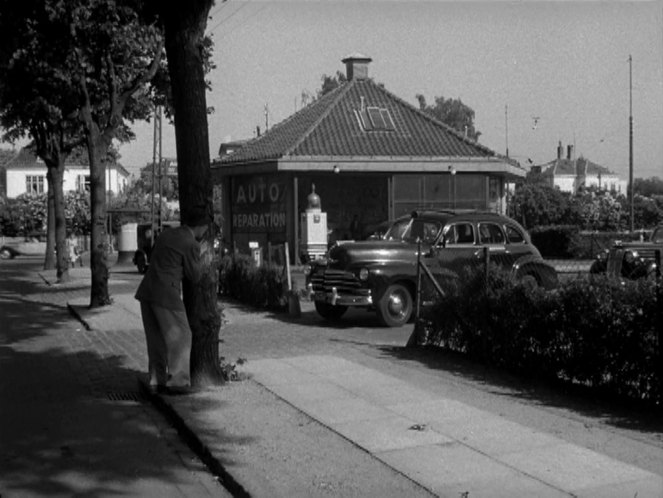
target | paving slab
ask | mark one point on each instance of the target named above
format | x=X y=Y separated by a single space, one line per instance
x=447 y=446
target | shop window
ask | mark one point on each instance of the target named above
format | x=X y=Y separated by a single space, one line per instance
x=34 y=184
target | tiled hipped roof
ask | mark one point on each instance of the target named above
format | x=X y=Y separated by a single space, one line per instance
x=330 y=127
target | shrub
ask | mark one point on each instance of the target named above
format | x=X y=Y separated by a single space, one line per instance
x=261 y=287
x=599 y=333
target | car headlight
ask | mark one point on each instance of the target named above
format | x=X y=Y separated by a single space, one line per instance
x=363 y=274
x=307 y=270
x=630 y=256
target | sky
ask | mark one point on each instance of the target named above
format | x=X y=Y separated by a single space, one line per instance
x=534 y=72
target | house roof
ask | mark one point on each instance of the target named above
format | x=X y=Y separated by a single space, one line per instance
x=575 y=167
x=27 y=159
x=331 y=127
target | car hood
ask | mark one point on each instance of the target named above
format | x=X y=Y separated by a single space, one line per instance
x=371 y=251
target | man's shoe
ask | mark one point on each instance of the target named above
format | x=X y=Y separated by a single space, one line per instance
x=180 y=390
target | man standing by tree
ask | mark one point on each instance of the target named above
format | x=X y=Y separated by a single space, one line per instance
x=176 y=256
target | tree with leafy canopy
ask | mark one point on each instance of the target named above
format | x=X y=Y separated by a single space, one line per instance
x=330 y=83
x=93 y=60
x=35 y=101
x=453 y=113
x=187 y=50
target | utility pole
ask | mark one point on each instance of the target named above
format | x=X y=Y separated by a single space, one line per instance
x=266 y=118
x=156 y=155
x=630 y=139
x=506 y=128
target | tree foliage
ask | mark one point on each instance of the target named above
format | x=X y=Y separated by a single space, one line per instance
x=453 y=113
x=330 y=83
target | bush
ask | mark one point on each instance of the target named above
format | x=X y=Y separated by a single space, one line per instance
x=261 y=287
x=555 y=241
x=599 y=333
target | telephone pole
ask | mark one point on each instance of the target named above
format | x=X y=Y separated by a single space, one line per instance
x=630 y=140
x=156 y=155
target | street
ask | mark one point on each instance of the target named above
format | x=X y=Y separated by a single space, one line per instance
x=71 y=420
x=71 y=423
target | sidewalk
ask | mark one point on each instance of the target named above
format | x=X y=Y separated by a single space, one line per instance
x=321 y=425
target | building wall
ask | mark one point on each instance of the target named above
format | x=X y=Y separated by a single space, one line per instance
x=266 y=208
x=74 y=179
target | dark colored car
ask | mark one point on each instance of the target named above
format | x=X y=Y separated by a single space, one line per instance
x=381 y=275
x=631 y=260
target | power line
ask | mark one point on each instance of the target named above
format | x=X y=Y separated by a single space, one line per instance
x=237 y=26
x=226 y=19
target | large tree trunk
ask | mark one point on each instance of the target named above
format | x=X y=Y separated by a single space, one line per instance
x=184 y=30
x=49 y=257
x=99 y=241
x=56 y=246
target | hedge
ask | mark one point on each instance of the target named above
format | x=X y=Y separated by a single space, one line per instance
x=596 y=332
x=568 y=242
x=261 y=287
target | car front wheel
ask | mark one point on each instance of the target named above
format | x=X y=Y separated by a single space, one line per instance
x=395 y=307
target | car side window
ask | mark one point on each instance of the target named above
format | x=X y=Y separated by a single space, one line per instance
x=513 y=235
x=459 y=233
x=425 y=230
x=490 y=233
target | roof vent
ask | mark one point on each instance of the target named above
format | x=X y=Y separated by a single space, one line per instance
x=356 y=66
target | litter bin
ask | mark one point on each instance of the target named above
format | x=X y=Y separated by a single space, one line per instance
x=127 y=243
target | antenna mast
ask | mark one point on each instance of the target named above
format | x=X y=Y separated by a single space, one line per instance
x=506 y=128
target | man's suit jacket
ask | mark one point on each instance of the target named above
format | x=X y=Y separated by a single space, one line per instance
x=176 y=255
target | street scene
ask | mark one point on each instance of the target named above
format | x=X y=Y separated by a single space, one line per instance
x=331 y=249
x=320 y=410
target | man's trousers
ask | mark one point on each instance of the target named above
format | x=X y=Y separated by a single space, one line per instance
x=168 y=337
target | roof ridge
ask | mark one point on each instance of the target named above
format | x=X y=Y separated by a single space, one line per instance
x=341 y=90
x=434 y=120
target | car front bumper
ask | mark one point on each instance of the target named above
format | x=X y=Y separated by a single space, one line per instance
x=336 y=298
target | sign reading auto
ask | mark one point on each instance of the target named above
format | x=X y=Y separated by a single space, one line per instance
x=259 y=204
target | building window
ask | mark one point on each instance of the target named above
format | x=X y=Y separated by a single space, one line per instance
x=34 y=184
x=375 y=119
x=83 y=183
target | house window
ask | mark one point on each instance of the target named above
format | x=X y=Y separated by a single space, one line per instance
x=83 y=183
x=34 y=184
x=375 y=119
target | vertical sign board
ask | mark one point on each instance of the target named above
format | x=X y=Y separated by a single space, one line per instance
x=259 y=204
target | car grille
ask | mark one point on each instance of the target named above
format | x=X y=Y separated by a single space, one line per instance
x=344 y=281
x=647 y=253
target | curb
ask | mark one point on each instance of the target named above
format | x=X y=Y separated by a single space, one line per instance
x=194 y=442
x=78 y=316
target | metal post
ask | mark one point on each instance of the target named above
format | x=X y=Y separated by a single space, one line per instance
x=630 y=140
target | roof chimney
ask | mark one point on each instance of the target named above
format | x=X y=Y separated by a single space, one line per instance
x=569 y=152
x=356 y=66
x=560 y=150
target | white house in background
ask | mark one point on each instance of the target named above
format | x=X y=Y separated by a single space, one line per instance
x=570 y=174
x=27 y=173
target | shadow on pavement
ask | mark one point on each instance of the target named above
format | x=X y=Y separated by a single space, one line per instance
x=73 y=420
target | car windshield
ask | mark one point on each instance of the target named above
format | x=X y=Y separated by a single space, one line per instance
x=413 y=229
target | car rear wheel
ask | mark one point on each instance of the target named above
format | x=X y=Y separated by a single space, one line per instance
x=5 y=253
x=395 y=307
x=329 y=312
